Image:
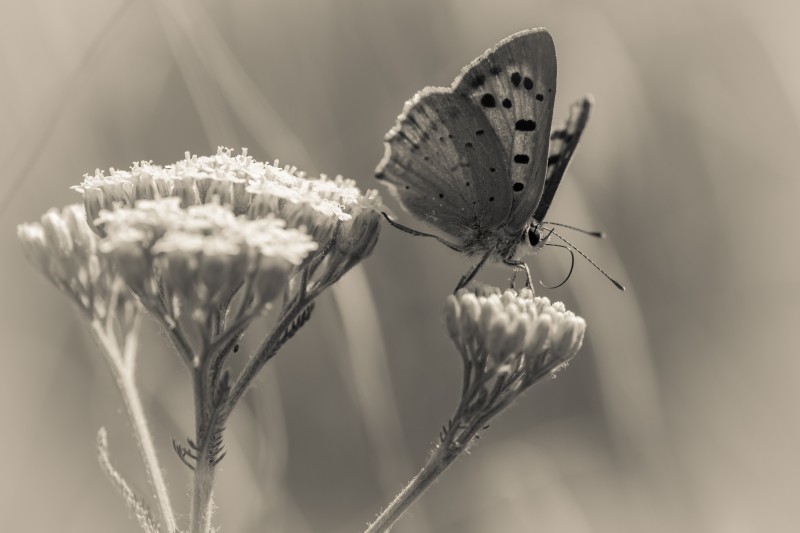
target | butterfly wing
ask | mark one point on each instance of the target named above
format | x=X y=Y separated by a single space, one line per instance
x=446 y=165
x=563 y=141
x=514 y=85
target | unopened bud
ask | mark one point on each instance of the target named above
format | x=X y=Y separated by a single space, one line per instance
x=452 y=313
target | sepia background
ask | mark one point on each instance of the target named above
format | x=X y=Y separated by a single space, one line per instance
x=680 y=412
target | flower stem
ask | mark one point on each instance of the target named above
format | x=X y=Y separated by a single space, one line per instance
x=267 y=349
x=460 y=433
x=202 y=492
x=124 y=378
x=439 y=461
x=144 y=440
x=203 y=485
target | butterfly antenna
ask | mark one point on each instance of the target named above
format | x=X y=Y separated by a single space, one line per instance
x=571 y=266
x=616 y=283
x=598 y=234
x=421 y=234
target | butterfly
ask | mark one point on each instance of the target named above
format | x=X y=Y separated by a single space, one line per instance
x=479 y=160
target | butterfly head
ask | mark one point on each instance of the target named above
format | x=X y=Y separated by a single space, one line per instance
x=538 y=236
x=534 y=239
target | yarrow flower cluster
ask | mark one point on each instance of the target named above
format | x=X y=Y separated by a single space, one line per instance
x=503 y=332
x=209 y=241
x=341 y=220
x=508 y=341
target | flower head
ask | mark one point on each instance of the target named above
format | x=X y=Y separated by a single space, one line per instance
x=343 y=221
x=508 y=341
x=512 y=332
x=187 y=237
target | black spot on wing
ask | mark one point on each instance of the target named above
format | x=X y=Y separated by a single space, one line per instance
x=507 y=103
x=487 y=100
x=525 y=125
x=540 y=97
x=528 y=83
x=518 y=186
x=516 y=78
x=522 y=159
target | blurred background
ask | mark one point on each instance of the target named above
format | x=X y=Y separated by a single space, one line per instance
x=677 y=415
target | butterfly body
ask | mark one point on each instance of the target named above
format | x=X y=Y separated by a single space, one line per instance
x=479 y=160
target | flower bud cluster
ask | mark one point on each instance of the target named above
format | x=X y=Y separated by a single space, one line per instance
x=502 y=332
x=189 y=262
x=64 y=248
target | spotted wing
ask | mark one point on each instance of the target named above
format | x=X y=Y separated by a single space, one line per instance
x=563 y=141
x=447 y=166
x=514 y=85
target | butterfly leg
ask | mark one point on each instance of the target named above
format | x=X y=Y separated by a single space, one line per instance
x=416 y=233
x=469 y=276
x=520 y=265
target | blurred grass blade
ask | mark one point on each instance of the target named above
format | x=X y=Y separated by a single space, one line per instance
x=366 y=365
x=24 y=156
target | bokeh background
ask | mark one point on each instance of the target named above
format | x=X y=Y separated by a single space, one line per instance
x=679 y=414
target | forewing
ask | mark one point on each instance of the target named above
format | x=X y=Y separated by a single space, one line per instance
x=446 y=164
x=563 y=141
x=514 y=85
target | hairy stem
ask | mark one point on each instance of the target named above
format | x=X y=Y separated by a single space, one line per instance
x=439 y=461
x=203 y=484
x=267 y=349
x=461 y=431
x=202 y=491
x=122 y=370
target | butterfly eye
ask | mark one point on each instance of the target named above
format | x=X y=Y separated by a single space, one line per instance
x=534 y=237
